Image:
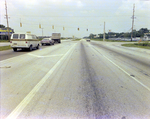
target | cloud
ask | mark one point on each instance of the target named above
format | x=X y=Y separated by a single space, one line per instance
x=79 y=3
x=73 y=13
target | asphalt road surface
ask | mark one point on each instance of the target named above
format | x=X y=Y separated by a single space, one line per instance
x=4 y=44
x=76 y=79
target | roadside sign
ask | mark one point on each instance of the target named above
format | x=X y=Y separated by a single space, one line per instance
x=4 y=31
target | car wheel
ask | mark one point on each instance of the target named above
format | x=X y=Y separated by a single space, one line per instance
x=30 y=48
x=37 y=46
x=15 y=49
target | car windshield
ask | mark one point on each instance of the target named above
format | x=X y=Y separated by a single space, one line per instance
x=75 y=59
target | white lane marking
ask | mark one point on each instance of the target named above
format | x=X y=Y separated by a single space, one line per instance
x=15 y=113
x=45 y=56
x=124 y=71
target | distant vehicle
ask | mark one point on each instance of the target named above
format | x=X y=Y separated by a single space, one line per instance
x=88 y=40
x=47 y=41
x=56 y=37
x=24 y=41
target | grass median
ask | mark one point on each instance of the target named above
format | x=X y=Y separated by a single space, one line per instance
x=2 y=48
x=145 y=45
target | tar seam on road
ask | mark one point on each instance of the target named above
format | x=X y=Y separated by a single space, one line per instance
x=123 y=70
x=45 y=56
x=15 y=113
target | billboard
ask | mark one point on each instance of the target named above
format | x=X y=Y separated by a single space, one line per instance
x=4 y=31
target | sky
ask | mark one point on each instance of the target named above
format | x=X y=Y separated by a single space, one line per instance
x=74 y=14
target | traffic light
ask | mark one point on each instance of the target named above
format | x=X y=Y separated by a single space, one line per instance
x=53 y=27
x=40 y=26
x=20 y=24
x=78 y=29
x=87 y=29
x=63 y=28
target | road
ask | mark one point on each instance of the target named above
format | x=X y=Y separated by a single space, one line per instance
x=4 y=44
x=76 y=79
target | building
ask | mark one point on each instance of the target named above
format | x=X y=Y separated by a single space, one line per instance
x=4 y=33
x=146 y=36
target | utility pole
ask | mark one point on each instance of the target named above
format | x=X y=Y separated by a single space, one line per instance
x=104 y=33
x=7 y=20
x=132 y=21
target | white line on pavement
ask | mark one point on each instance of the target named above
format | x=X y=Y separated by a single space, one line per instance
x=95 y=49
x=15 y=113
x=45 y=56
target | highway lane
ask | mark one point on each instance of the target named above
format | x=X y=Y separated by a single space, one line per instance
x=4 y=43
x=10 y=53
x=76 y=80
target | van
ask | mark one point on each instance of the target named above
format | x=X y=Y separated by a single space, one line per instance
x=24 y=41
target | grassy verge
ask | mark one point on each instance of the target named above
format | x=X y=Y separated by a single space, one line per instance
x=4 y=40
x=107 y=40
x=5 y=48
x=97 y=39
x=145 y=45
x=116 y=40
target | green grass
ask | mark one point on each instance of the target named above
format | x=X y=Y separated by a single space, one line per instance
x=4 y=40
x=145 y=45
x=116 y=41
x=97 y=39
x=107 y=40
x=5 y=48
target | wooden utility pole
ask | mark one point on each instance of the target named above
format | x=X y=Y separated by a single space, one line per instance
x=7 y=21
x=132 y=22
x=104 y=33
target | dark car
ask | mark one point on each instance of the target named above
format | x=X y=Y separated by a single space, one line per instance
x=47 y=41
x=88 y=40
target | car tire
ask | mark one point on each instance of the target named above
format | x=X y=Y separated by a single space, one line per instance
x=30 y=48
x=37 y=46
x=15 y=49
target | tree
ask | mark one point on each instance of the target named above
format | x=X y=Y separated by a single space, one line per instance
x=141 y=32
x=2 y=26
x=91 y=36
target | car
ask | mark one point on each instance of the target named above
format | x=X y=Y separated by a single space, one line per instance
x=24 y=41
x=47 y=41
x=88 y=40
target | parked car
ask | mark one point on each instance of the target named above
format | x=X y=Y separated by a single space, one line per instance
x=47 y=41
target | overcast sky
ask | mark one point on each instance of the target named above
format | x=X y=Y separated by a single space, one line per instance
x=71 y=14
